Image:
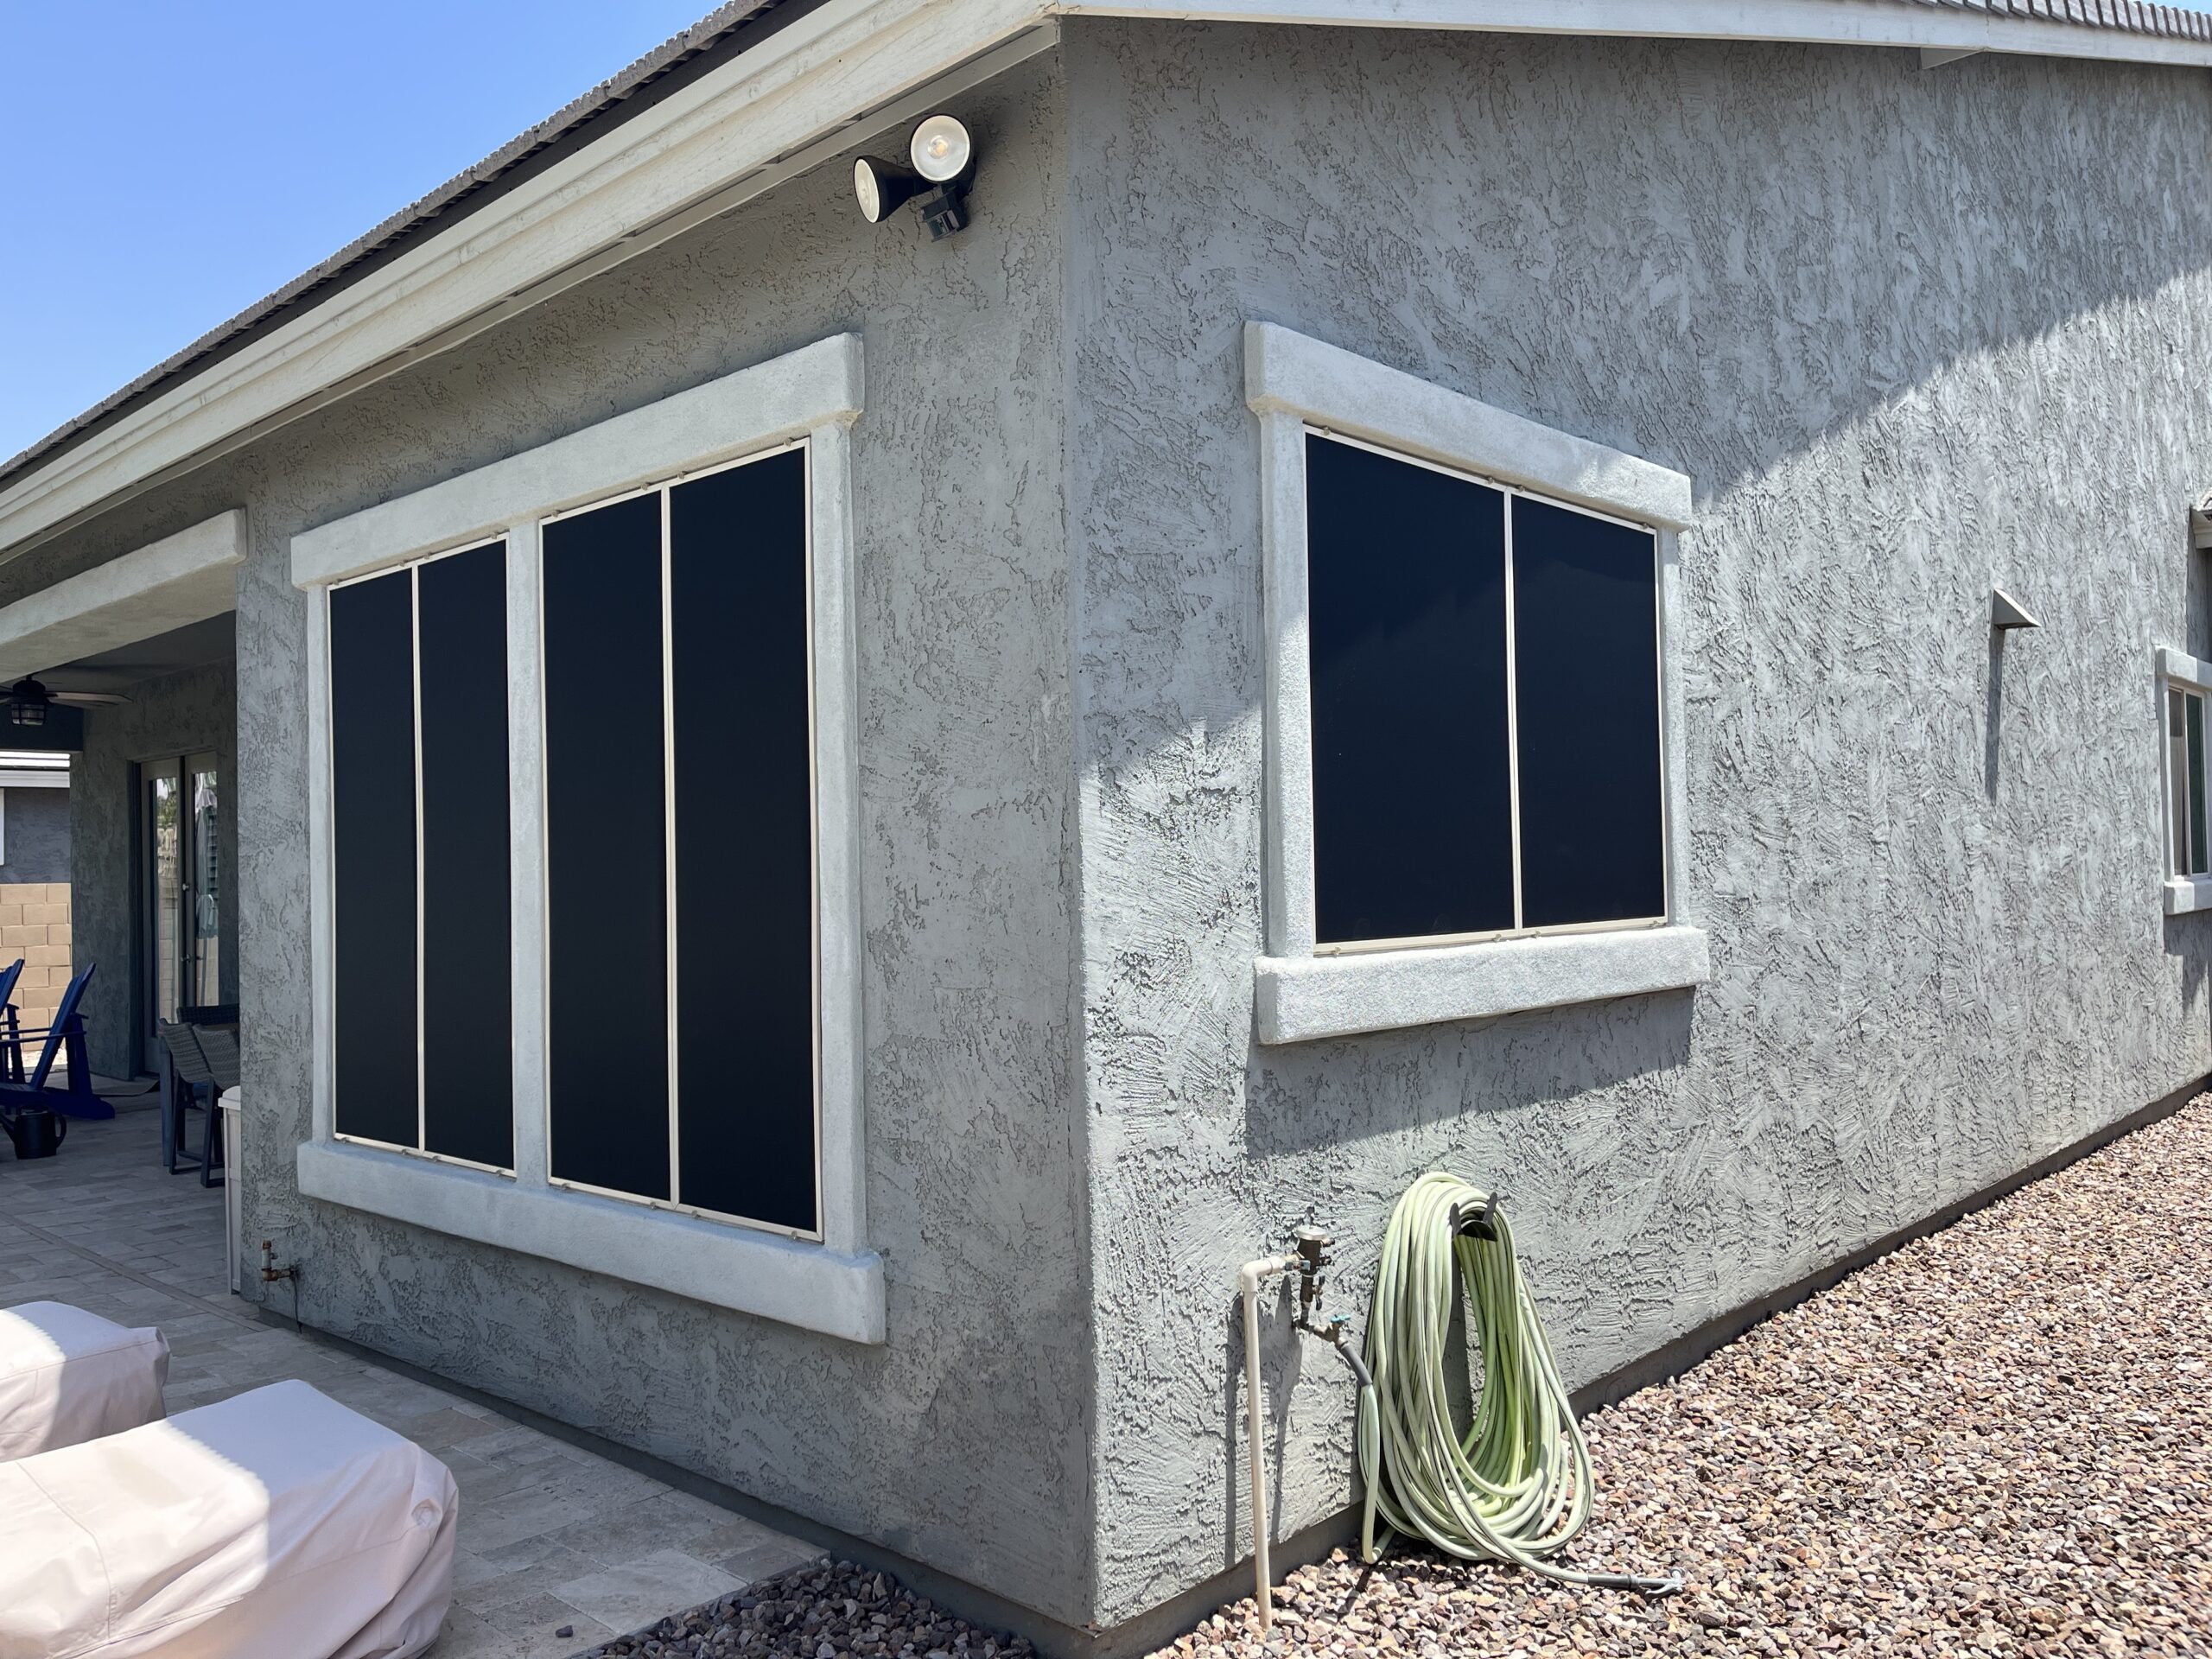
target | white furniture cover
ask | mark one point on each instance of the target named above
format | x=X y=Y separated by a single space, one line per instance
x=275 y=1525
x=67 y=1375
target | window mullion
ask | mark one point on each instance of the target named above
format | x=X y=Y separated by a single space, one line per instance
x=668 y=819
x=1512 y=710
x=415 y=671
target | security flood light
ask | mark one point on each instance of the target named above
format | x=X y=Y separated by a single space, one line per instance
x=883 y=188
x=941 y=149
x=943 y=156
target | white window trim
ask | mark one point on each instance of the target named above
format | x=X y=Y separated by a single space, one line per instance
x=2183 y=893
x=834 y=1286
x=1293 y=383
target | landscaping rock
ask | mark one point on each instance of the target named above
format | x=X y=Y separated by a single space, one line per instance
x=832 y=1610
x=1997 y=1439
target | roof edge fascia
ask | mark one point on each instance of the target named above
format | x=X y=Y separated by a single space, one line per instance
x=1953 y=25
x=779 y=108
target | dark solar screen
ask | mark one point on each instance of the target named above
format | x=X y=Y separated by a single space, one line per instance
x=373 y=832
x=1586 y=596
x=467 y=986
x=1412 y=801
x=744 y=843
x=607 y=849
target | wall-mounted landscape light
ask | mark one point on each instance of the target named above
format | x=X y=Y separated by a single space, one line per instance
x=2006 y=612
x=944 y=157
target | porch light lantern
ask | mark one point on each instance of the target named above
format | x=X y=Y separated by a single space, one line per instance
x=27 y=703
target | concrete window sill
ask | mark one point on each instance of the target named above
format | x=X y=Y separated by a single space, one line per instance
x=794 y=1283
x=1298 y=999
x=2187 y=893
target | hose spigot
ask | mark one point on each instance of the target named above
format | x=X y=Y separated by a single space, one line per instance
x=1313 y=1246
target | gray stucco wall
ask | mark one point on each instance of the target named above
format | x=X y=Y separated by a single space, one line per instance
x=960 y=1442
x=1909 y=332
x=178 y=714
x=38 y=837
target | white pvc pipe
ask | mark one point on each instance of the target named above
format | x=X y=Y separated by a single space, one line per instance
x=1248 y=1284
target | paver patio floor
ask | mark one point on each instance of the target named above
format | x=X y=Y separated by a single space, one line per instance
x=552 y=1534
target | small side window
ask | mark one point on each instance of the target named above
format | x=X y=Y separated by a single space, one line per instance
x=2185 y=779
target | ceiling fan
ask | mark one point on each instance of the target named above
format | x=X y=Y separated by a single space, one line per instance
x=28 y=701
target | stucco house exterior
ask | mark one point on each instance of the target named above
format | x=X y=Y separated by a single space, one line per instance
x=825 y=827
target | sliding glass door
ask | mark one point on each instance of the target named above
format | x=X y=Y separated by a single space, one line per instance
x=180 y=929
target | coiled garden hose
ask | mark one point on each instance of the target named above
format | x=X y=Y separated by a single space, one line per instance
x=1517 y=1487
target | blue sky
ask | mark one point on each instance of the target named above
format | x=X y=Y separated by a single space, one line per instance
x=167 y=162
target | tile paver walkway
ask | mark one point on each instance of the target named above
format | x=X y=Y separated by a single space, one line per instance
x=552 y=1534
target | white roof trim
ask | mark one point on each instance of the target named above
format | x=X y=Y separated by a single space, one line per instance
x=814 y=87
x=1953 y=25
x=179 y=580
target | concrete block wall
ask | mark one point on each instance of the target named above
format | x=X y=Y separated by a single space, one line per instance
x=35 y=925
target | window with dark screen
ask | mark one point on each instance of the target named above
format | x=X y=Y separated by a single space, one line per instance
x=679 y=791
x=419 y=831
x=1484 y=706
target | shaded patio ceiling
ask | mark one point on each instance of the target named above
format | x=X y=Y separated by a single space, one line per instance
x=193 y=645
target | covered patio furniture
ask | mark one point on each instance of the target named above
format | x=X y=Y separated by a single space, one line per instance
x=276 y=1524
x=67 y=1375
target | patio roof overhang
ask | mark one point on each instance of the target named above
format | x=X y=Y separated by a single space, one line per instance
x=182 y=579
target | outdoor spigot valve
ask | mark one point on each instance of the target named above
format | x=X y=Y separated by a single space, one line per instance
x=1313 y=1245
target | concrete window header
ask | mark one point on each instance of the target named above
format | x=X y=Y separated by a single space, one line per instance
x=832 y=1283
x=1299 y=387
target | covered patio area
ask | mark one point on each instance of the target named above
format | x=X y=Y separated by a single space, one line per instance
x=553 y=1538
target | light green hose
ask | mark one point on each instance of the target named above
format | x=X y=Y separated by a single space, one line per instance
x=1516 y=1488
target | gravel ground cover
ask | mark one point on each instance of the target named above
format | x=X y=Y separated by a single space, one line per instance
x=1993 y=1441
x=837 y=1611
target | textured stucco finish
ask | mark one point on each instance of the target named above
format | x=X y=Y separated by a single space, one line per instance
x=960 y=1441
x=1910 y=334
x=180 y=714
x=37 y=837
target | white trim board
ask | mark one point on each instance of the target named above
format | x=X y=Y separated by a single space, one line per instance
x=171 y=583
x=796 y=97
x=784 y=397
x=840 y=1293
x=1950 y=25
x=1293 y=385
x=813 y=394
x=1297 y=999
x=1288 y=373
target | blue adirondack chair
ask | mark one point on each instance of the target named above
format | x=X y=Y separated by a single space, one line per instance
x=36 y=1091
x=12 y=1049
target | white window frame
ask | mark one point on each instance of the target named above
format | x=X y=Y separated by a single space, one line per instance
x=1300 y=992
x=319 y=602
x=2179 y=670
x=833 y=1284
